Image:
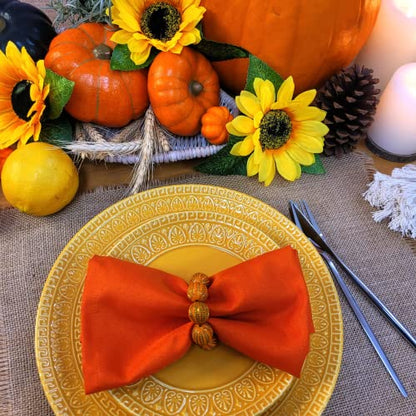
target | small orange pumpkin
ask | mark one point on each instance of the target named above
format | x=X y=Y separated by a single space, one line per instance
x=101 y=95
x=181 y=88
x=213 y=124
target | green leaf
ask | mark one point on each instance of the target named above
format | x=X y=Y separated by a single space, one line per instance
x=59 y=94
x=259 y=69
x=57 y=132
x=121 y=61
x=316 y=169
x=217 y=51
x=224 y=163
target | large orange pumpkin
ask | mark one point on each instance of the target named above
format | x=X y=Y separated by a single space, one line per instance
x=309 y=39
x=101 y=95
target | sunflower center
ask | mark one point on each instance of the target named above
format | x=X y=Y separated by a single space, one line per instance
x=21 y=101
x=275 y=129
x=160 y=21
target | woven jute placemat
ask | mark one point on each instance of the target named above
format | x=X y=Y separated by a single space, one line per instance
x=29 y=246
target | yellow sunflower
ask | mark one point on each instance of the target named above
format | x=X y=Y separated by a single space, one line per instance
x=167 y=25
x=22 y=96
x=281 y=133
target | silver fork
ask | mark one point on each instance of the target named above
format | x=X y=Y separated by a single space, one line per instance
x=350 y=298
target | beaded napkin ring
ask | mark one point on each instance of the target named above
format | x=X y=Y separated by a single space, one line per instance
x=198 y=312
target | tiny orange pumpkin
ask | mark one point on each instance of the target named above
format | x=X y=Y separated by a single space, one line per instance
x=181 y=88
x=213 y=124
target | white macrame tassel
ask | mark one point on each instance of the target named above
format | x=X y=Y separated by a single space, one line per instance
x=395 y=196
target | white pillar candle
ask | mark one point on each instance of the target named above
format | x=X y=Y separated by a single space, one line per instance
x=394 y=126
x=393 y=40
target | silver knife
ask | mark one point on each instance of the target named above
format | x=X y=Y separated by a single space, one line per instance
x=310 y=231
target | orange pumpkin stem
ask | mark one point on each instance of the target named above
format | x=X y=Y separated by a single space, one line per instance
x=196 y=88
x=102 y=51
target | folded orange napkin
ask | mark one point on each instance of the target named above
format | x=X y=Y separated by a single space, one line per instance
x=134 y=319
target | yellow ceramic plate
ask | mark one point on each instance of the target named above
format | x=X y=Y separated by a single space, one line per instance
x=182 y=229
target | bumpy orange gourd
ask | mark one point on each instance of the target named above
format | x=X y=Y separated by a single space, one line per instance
x=101 y=95
x=181 y=88
x=309 y=40
x=213 y=124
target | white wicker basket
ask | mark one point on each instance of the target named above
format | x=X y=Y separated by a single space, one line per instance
x=104 y=144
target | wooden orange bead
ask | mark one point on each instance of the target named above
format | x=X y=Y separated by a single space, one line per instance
x=201 y=278
x=203 y=336
x=197 y=292
x=198 y=312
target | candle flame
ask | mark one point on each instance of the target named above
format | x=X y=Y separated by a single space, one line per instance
x=408 y=7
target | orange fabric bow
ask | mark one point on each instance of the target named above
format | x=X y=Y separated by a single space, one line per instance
x=134 y=319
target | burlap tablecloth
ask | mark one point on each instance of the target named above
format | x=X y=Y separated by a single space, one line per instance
x=385 y=261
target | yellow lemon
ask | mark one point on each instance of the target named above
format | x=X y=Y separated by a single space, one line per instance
x=39 y=179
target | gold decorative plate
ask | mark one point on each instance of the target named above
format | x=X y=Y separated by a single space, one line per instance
x=182 y=229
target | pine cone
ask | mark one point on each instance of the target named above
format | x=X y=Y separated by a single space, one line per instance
x=350 y=100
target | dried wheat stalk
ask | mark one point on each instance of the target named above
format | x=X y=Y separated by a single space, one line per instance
x=143 y=169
